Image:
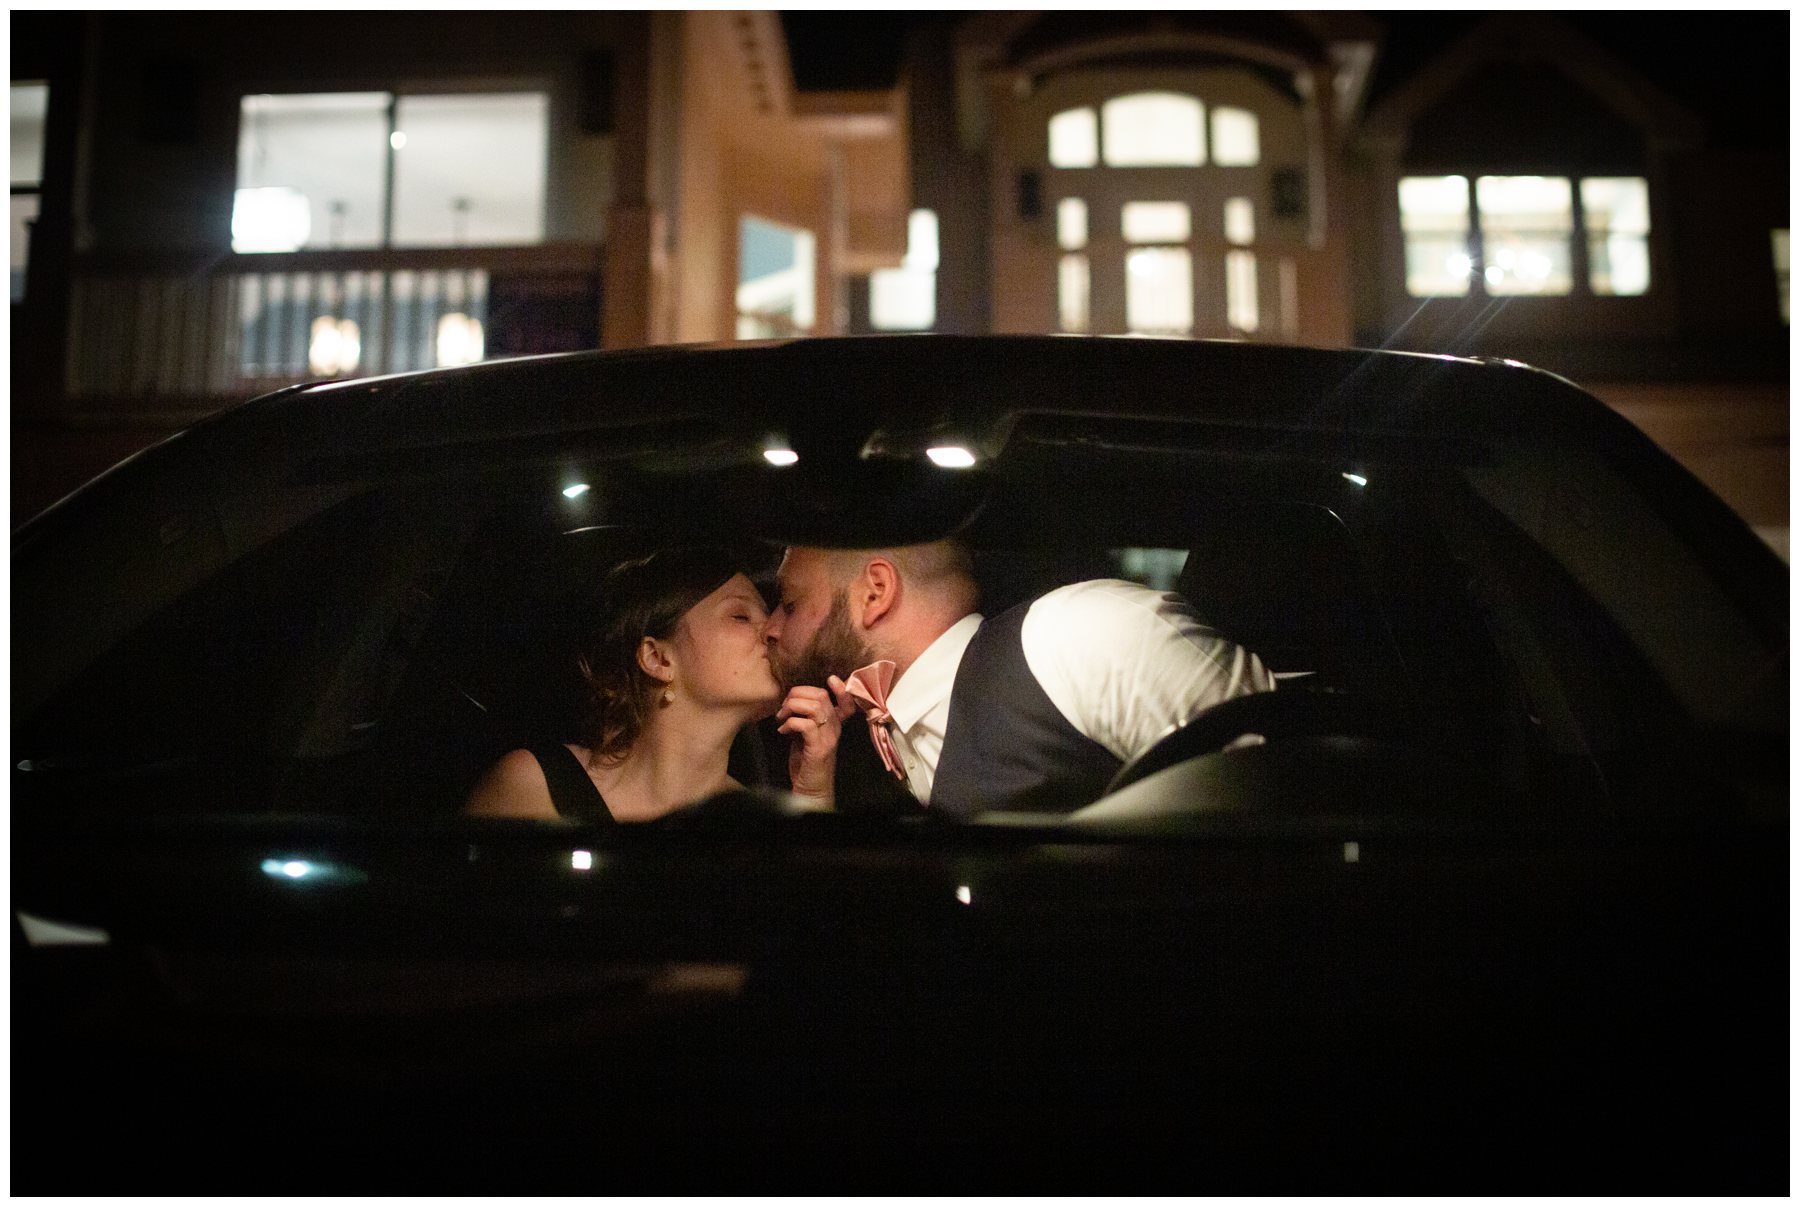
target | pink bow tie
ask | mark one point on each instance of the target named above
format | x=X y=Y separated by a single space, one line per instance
x=868 y=687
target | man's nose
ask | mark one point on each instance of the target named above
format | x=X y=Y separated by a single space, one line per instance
x=772 y=629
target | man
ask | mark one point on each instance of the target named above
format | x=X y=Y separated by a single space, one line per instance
x=1034 y=709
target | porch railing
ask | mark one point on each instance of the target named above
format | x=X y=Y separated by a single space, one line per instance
x=152 y=334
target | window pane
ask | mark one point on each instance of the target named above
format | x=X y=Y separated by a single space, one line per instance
x=1434 y=203
x=1525 y=225
x=1072 y=293
x=1074 y=140
x=24 y=213
x=1615 y=205
x=30 y=102
x=775 y=280
x=1235 y=138
x=922 y=240
x=1616 y=213
x=1434 y=214
x=1071 y=224
x=1149 y=129
x=1159 y=291
x=1155 y=222
x=1437 y=266
x=328 y=152
x=1240 y=220
x=469 y=169
x=902 y=299
x=1240 y=290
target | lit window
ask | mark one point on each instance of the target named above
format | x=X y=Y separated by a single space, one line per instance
x=1074 y=139
x=1615 y=211
x=1525 y=226
x=471 y=170
x=1071 y=224
x=1434 y=219
x=324 y=152
x=1240 y=221
x=1155 y=222
x=1779 y=240
x=30 y=104
x=1153 y=129
x=467 y=170
x=1240 y=291
x=1072 y=293
x=1236 y=139
x=905 y=298
x=1159 y=291
x=775 y=280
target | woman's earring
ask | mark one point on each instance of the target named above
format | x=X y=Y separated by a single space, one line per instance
x=668 y=696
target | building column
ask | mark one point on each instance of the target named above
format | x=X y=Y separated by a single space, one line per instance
x=1325 y=298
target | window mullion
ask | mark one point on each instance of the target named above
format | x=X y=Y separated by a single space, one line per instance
x=1578 y=241
x=387 y=202
x=1477 y=242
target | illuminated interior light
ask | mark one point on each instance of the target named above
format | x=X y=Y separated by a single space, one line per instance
x=335 y=347
x=1356 y=478
x=459 y=341
x=1459 y=265
x=951 y=457
x=292 y=869
x=1494 y=275
x=270 y=220
x=581 y=861
x=963 y=894
x=575 y=491
x=780 y=456
x=1352 y=852
x=397 y=139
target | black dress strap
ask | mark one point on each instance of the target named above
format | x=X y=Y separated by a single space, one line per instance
x=571 y=791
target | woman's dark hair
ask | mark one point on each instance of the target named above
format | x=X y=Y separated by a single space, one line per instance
x=645 y=597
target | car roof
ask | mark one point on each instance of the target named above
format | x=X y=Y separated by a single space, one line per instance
x=832 y=397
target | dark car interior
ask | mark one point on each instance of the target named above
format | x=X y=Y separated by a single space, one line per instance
x=372 y=660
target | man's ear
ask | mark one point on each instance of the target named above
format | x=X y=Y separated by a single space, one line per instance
x=879 y=588
x=656 y=660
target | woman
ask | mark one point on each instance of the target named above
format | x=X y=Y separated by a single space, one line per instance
x=677 y=666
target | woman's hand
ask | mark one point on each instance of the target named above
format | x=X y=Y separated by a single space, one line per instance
x=814 y=719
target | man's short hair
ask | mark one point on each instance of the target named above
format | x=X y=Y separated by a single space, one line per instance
x=942 y=567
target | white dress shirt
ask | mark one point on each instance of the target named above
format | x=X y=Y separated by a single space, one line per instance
x=1124 y=664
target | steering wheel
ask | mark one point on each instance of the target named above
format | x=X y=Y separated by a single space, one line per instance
x=1294 y=713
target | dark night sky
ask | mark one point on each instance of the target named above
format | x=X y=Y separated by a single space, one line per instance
x=1729 y=68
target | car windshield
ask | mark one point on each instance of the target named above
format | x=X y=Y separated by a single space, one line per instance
x=1504 y=634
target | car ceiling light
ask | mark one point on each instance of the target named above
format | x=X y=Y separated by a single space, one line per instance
x=964 y=895
x=952 y=456
x=575 y=491
x=780 y=456
x=1353 y=852
x=581 y=861
x=1358 y=479
x=291 y=869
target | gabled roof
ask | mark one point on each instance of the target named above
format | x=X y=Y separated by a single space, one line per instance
x=1533 y=38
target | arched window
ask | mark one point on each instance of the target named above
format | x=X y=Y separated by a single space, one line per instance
x=1074 y=139
x=1236 y=138
x=1153 y=129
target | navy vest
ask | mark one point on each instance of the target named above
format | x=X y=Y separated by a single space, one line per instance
x=1006 y=746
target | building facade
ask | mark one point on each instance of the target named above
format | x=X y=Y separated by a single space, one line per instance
x=207 y=205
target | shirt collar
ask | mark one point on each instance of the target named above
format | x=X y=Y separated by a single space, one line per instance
x=927 y=682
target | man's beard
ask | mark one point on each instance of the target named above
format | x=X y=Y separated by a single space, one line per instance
x=834 y=650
